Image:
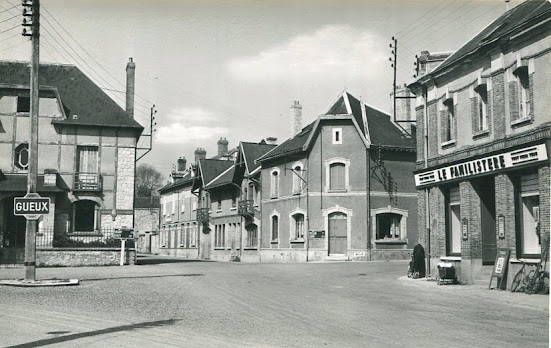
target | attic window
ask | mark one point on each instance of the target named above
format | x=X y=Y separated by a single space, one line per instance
x=75 y=117
x=337 y=135
x=23 y=104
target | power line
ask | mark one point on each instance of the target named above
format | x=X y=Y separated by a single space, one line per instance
x=5 y=31
x=431 y=17
x=7 y=19
x=85 y=51
x=10 y=37
x=417 y=19
x=8 y=9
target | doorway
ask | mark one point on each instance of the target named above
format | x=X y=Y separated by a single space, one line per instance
x=486 y=192
x=13 y=235
x=338 y=233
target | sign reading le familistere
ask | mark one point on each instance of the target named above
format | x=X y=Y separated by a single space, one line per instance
x=484 y=165
x=31 y=206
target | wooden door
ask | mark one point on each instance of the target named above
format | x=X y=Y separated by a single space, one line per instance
x=338 y=233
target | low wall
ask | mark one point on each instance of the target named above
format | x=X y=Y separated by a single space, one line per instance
x=75 y=257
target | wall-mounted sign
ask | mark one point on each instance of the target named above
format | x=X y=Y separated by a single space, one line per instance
x=501 y=226
x=465 y=229
x=317 y=234
x=481 y=166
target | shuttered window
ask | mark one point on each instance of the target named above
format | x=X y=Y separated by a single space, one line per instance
x=337 y=176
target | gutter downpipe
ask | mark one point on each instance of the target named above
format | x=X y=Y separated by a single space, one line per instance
x=427 y=195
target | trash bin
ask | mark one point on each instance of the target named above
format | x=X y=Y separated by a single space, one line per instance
x=446 y=273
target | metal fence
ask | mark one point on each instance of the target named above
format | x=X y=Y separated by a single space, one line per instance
x=104 y=238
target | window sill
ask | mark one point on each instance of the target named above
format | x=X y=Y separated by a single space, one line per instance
x=481 y=134
x=390 y=241
x=233 y=208
x=521 y=122
x=219 y=211
x=250 y=248
x=85 y=234
x=300 y=240
x=273 y=197
x=450 y=258
x=296 y=193
x=448 y=144
x=529 y=261
x=337 y=190
x=275 y=241
x=219 y=248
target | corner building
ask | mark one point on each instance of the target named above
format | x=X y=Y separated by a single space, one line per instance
x=483 y=142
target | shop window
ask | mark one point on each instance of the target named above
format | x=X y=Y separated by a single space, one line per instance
x=275 y=227
x=21 y=158
x=453 y=223
x=530 y=239
x=86 y=216
x=389 y=226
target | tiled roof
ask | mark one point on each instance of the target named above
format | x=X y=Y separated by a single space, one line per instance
x=510 y=20
x=222 y=179
x=18 y=183
x=80 y=95
x=381 y=129
x=211 y=168
x=186 y=179
x=252 y=151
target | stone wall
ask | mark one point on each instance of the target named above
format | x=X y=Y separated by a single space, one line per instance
x=78 y=257
x=125 y=178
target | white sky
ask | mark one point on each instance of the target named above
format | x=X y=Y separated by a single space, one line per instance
x=219 y=68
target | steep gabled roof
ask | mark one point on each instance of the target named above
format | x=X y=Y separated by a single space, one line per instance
x=186 y=179
x=225 y=178
x=79 y=95
x=212 y=168
x=380 y=130
x=512 y=20
x=252 y=151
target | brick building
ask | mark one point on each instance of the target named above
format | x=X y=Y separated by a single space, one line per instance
x=483 y=137
x=339 y=188
x=86 y=157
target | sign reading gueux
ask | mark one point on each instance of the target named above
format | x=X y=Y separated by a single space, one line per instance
x=31 y=206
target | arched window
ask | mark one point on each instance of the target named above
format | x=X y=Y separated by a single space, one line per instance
x=21 y=158
x=275 y=227
x=298 y=221
x=86 y=216
x=297 y=178
x=337 y=176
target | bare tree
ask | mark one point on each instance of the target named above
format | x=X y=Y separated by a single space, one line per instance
x=148 y=181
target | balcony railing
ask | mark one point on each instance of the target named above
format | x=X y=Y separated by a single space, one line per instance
x=246 y=208
x=203 y=215
x=87 y=182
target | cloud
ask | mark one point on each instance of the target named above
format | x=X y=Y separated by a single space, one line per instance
x=188 y=126
x=332 y=50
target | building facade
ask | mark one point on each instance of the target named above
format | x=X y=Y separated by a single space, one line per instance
x=339 y=188
x=483 y=141
x=86 y=157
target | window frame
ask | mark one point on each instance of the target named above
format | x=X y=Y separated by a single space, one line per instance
x=96 y=217
x=274 y=182
x=337 y=136
x=297 y=177
x=328 y=164
x=17 y=156
x=274 y=217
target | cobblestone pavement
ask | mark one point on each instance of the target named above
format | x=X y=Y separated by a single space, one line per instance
x=209 y=304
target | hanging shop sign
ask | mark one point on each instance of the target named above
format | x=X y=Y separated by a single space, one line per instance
x=484 y=165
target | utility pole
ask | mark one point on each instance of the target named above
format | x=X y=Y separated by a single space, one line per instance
x=394 y=64
x=31 y=9
x=152 y=124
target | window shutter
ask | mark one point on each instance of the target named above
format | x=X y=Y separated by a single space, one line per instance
x=454 y=122
x=443 y=125
x=474 y=114
x=513 y=100
x=531 y=94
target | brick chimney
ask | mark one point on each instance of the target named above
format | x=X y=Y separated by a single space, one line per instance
x=296 y=118
x=222 y=146
x=182 y=164
x=200 y=154
x=130 y=82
